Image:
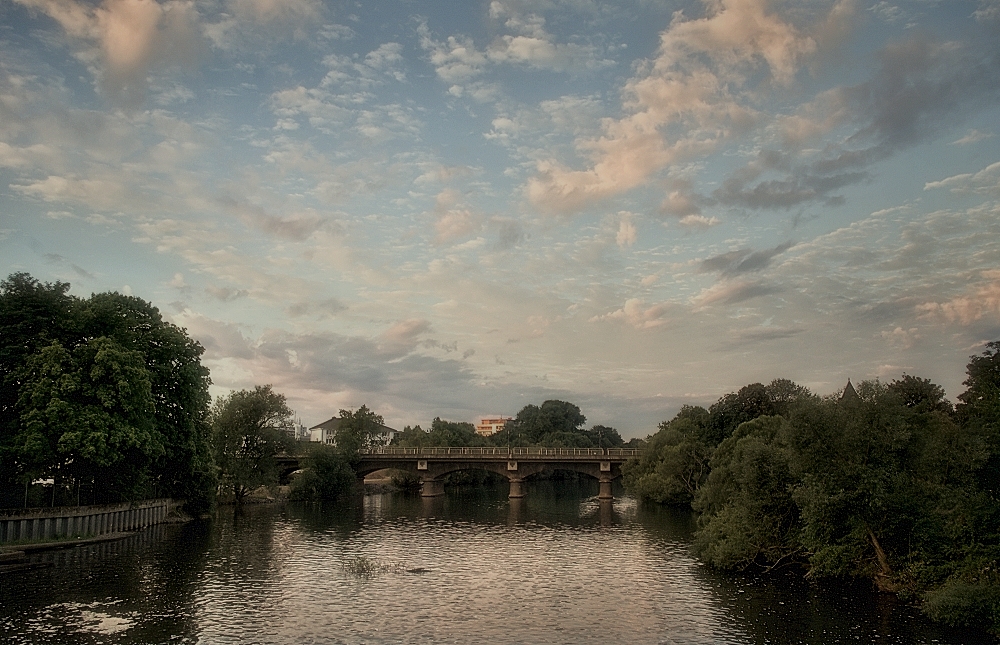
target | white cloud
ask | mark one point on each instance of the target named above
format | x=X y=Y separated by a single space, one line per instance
x=732 y=292
x=220 y=339
x=637 y=314
x=984 y=182
x=251 y=24
x=456 y=60
x=698 y=221
x=124 y=40
x=974 y=136
x=902 y=338
x=982 y=300
x=701 y=67
x=100 y=194
x=626 y=230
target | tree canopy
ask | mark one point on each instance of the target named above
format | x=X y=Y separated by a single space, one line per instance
x=358 y=429
x=555 y=424
x=248 y=432
x=893 y=485
x=102 y=391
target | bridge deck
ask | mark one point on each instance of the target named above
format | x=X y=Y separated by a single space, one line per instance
x=497 y=453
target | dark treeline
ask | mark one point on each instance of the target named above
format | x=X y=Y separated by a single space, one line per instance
x=887 y=482
x=108 y=401
x=553 y=424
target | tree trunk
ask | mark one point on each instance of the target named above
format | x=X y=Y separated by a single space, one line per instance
x=884 y=578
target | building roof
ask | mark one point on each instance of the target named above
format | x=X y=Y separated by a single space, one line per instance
x=333 y=423
x=850 y=395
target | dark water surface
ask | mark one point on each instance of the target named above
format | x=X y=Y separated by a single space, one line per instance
x=472 y=567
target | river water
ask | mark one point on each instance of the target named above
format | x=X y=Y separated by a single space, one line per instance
x=472 y=567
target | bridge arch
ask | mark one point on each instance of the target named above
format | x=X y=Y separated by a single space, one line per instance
x=430 y=465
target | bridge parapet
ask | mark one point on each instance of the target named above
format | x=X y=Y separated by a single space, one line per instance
x=495 y=452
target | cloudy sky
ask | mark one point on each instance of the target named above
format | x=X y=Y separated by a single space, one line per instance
x=459 y=208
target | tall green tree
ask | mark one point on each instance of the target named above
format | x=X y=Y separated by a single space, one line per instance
x=602 y=436
x=248 y=432
x=748 y=516
x=101 y=331
x=970 y=594
x=32 y=316
x=979 y=411
x=326 y=475
x=179 y=385
x=553 y=424
x=358 y=429
x=674 y=462
x=415 y=437
x=87 y=414
x=454 y=433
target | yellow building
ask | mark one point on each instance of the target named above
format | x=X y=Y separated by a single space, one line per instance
x=492 y=425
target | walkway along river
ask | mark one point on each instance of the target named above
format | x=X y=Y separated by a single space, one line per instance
x=471 y=566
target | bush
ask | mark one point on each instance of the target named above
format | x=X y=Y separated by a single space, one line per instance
x=327 y=476
x=963 y=604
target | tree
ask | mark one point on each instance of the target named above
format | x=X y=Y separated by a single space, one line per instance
x=87 y=414
x=553 y=424
x=453 y=433
x=748 y=515
x=174 y=459
x=605 y=437
x=326 y=475
x=358 y=429
x=180 y=391
x=674 y=462
x=979 y=411
x=415 y=437
x=248 y=432
x=970 y=594
x=730 y=411
x=32 y=316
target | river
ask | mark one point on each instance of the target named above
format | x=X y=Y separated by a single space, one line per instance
x=470 y=567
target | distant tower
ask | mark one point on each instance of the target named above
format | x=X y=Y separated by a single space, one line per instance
x=850 y=395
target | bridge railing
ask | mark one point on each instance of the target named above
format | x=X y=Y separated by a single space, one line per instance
x=497 y=451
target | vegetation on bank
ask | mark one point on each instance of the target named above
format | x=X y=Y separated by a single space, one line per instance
x=102 y=394
x=553 y=424
x=888 y=482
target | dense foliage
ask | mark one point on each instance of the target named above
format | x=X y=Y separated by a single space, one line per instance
x=249 y=429
x=442 y=433
x=887 y=482
x=358 y=429
x=100 y=392
x=326 y=475
x=554 y=424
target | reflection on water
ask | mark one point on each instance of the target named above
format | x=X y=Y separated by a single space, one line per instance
x=557 y=566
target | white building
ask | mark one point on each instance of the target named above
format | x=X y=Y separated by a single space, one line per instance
x=297 y=430
x=326 y=432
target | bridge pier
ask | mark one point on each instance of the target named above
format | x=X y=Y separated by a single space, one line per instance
x=431 y=487
x=604 y=492
x=516 y=488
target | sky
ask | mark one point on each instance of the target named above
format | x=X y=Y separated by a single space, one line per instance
x=456 y=209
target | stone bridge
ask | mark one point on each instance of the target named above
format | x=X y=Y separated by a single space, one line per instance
x=516 y=464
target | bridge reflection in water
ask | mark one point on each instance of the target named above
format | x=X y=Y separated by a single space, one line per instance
x=430 y=465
